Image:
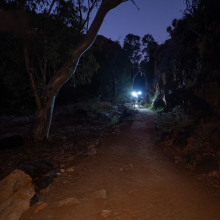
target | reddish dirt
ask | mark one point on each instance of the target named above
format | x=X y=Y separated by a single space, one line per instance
x=154 y=188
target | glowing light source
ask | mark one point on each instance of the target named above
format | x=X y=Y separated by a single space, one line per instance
x=134 y=94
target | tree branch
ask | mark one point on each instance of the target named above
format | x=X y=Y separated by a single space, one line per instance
x=51 y=6
x=88 y=15
x=135 y=4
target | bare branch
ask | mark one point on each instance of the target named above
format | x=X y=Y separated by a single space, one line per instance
x=88 y=13
x=80 y=11
x=51 y=6
x=87 y=26
x=135 y=4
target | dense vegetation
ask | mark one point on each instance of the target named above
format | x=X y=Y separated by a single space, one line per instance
x=188 y=87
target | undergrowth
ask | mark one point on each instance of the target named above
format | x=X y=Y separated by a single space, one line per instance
x=173 y=121
x=114 y=121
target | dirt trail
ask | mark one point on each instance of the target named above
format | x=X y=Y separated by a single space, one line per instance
x=153 y=189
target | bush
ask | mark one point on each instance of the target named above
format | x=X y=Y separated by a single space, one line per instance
x=114 y=121
x=149 y=106
x=173 y=121
x=142 y=102
x=96 y=106
x=158 y=110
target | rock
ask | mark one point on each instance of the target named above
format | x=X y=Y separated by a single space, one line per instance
x=11 y=142
x=43 y=182
x=35 y=198
x=37 y=168
x=106 y=213
x=62 y=166
x=128 y=167
x=100 y=194
x=104 y=116
x=16 y=192
x=126 y=113
x=91 y=152
x=206 y=164
x=40 y=207
x=62 y=170
x=70 y=170
x=18 y=121
x=68 y=201
x=46 y=190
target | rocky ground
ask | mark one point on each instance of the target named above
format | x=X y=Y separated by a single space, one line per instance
x=128 y=178
x=73 y=136
x=100 y=171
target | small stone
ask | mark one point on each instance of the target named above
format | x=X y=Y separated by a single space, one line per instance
x=100 y=194
x=106 y=213
x=62 y=170
x=70 y=170
x=128 y=167
x=40 y=207
x=62 y=165
x=91 y=152
x=58 y=174
x=68 y=201
x=91 y=146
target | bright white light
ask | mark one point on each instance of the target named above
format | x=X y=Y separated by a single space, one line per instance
x=139 y=93
x=134 y=94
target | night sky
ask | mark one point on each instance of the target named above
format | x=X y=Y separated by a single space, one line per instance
x=154 y=17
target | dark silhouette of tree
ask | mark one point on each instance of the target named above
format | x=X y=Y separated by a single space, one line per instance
x=67 y=14
x=132 y=46
x=147 y=65
x=113 y=76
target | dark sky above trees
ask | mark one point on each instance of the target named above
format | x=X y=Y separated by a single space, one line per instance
x=153 y=17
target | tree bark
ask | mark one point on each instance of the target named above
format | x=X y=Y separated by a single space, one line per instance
x=43 y=116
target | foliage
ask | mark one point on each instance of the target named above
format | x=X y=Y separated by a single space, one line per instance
x=49 y=47
x=114 y=121
x=96 y=106
x=188 y=59
x=112 y=81
x=174 y=120
x=149 y=106
x=159 y=110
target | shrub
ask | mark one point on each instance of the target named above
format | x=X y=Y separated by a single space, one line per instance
x=158 y=110
x=149 y=106
x=96 y=107
x=142 y=102
x=114 y=121
x=173 y=121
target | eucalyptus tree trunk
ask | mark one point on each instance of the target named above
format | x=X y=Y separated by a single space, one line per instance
x=43 y=115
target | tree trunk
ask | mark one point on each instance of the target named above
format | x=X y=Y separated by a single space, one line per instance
x=43 y=116
x=146 y=93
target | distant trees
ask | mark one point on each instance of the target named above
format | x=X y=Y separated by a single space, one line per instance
x=48 y=53
x=132 y=47
x=140 y=52
x=115 y=69
x=148 y=65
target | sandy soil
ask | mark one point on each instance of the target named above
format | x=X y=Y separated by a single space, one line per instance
x=151 y=188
